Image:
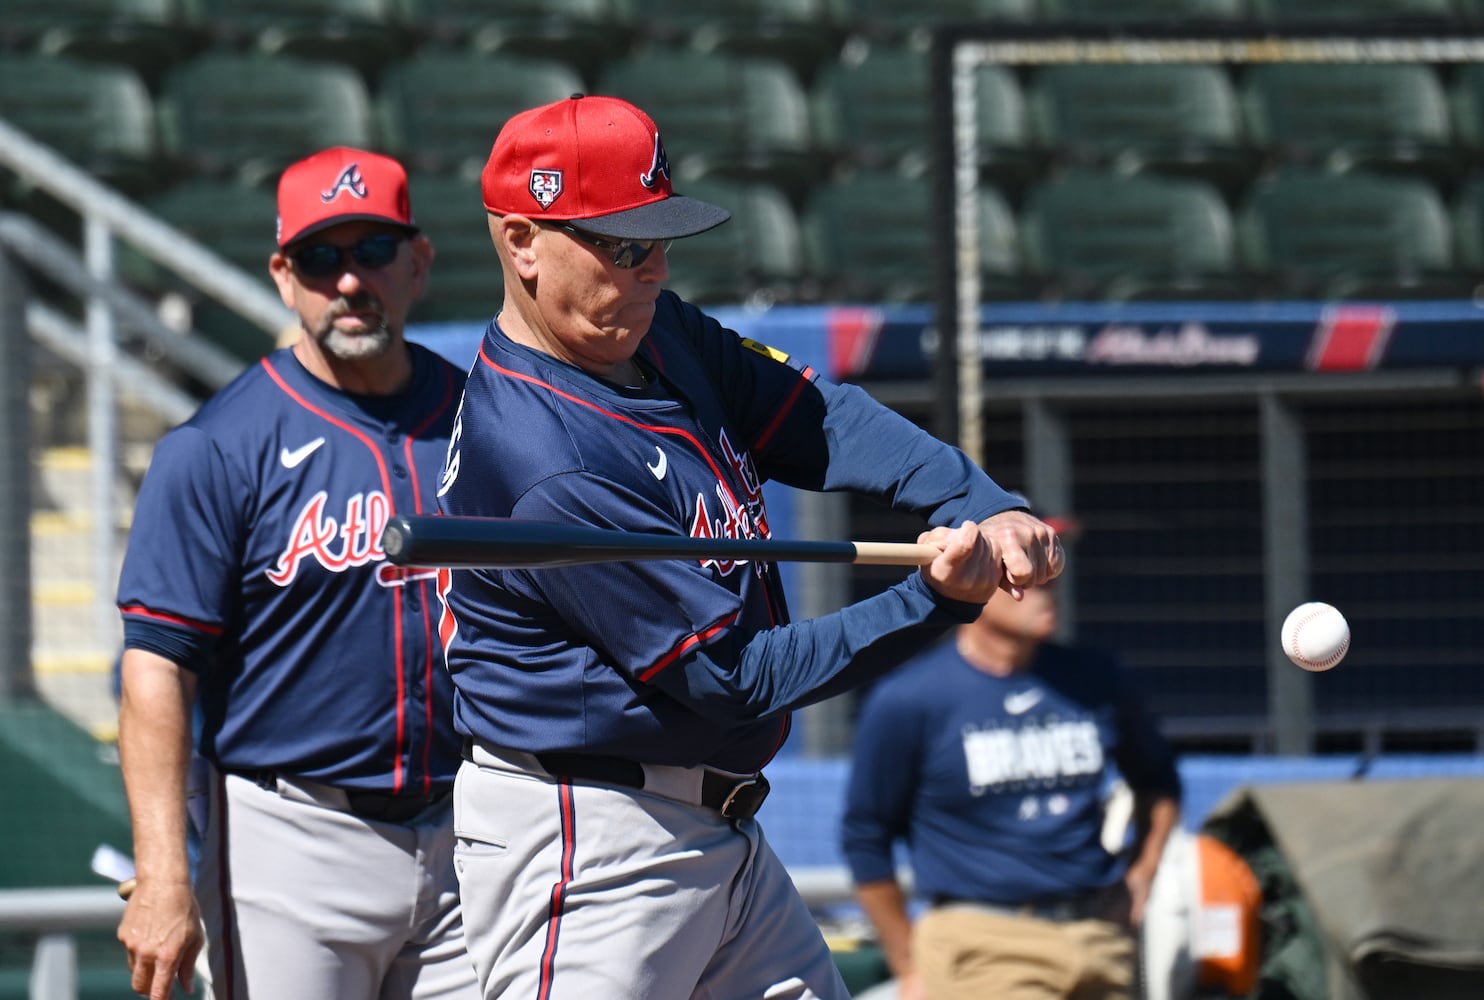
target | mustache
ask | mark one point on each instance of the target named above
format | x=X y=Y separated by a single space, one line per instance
x=360 y=303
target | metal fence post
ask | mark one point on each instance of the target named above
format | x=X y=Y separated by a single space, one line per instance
x=16 y=680
x=1285 y=568
x=103 y=431
x=54 y=967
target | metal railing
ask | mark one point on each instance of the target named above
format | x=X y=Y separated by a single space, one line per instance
x=56 y=914
x=117 y=326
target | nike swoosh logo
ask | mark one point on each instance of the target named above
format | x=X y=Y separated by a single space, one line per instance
x=658 y=468
x=292 y=459
x=1019 y=704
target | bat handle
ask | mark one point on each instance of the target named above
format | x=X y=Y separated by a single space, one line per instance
x=126 y=888
x=894 y=553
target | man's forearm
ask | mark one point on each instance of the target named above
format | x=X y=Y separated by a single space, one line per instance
x=1156 y=819
x=886 y=907
x=154 y=753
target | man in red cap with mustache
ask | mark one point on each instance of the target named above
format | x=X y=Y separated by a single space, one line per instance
x=255 y=585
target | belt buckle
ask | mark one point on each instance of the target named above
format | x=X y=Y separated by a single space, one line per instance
x=745 y=798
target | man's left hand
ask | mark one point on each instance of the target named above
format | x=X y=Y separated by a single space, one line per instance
x=1029 y=548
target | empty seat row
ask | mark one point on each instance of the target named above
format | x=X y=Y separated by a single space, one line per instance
x=870 y=238
x=786 y=28
x=751 y=118
x=1223 y=124
x=1100 y=236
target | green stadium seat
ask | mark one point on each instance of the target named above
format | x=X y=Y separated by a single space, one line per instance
x=1098 y=236
x=100 y=117
x=1009 y=158
x=366 y=34
x=1143 y=11
x=235 y=221
x=1002 y=273
x=1351 y=10
x=247 y=116
x=804 y=34
x=736 y=117
x=145 y=35
x=1468 y=225
x=869 y=237
x=441 y=109
x=872 y=109
x=465 y=283
x=1378 y=117
x=588 y=34
x=1466 y=97
x=756 y=257
x=896 y=21
x=1350 y=236
x=1173 y=119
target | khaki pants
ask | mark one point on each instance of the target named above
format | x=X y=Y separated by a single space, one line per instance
x=965 y=952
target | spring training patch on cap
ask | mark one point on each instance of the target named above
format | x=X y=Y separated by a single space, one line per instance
x=546 y=186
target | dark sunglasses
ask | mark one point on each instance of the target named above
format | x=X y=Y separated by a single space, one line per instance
x=321 y=260
x=626 y=253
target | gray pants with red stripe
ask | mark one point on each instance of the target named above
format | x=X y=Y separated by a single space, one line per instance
x=302 y=898
x=574 y=891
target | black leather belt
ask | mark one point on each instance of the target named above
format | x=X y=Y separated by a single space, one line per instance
x=735 y=798
x=386 y=807
x=383 y=807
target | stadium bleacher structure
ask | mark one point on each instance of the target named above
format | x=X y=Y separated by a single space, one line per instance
x=809 y=119
x=801 y=96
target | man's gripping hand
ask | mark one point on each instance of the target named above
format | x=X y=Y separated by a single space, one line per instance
x=968 y=567
x=1029 y=548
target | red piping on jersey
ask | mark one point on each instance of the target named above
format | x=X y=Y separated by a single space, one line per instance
x=438 y=410
x=686 y=645
x=777 y=421
x=433 y=649
x=652 y=428
x=422 y=585
x=160 y=616
x=386 y=489
x=567 y=807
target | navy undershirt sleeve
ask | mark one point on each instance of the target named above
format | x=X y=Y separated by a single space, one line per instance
x=744 y=676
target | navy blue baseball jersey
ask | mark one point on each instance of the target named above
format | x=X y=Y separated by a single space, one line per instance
x=997 y=782
x=675 y=661
x=255 y=560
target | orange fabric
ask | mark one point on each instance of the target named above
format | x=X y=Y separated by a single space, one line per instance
x=1228 y=942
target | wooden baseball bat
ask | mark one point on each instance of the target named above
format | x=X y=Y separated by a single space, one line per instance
x=510 y=543
x=126 y=887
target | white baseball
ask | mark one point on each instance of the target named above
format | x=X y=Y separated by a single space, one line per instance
x=1316 y=636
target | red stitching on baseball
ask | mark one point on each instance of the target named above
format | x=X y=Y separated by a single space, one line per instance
x=1298 y=627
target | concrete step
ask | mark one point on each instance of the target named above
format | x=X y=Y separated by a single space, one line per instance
x=75 y=631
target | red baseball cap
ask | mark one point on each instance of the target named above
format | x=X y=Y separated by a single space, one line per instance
x=341 y=185
x=597 y=160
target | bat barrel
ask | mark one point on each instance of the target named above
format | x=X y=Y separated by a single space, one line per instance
x=508 y=543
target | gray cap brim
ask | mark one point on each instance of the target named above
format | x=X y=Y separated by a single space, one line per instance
x=670 y=219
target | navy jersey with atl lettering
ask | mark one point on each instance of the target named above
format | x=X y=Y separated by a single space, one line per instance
x=255 y=559
x=997 y=782
x=675 y=661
